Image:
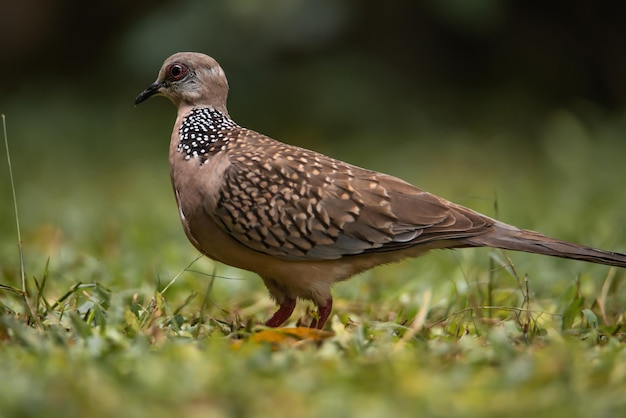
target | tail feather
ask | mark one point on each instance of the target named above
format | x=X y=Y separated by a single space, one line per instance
x=508 y=237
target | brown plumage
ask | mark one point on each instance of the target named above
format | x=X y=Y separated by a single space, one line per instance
x=300 y=219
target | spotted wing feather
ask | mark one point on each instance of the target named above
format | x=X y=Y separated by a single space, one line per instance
x=297 y=204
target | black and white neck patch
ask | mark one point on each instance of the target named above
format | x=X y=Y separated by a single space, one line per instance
x=204 y=132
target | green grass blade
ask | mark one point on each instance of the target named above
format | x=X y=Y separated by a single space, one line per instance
x=27 y=304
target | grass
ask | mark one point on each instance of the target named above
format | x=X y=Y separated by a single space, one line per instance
x=116 y=316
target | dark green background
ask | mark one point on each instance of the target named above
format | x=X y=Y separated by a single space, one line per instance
x=516 y=101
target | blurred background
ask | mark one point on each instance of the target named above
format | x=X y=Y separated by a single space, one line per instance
x=514 y=108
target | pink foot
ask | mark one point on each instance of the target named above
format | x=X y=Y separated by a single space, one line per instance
x=323 y=312
x=282 y=314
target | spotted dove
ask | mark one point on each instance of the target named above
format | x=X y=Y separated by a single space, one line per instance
x=301 y=220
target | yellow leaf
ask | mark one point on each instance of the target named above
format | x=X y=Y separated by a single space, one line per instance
x=286 y=336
